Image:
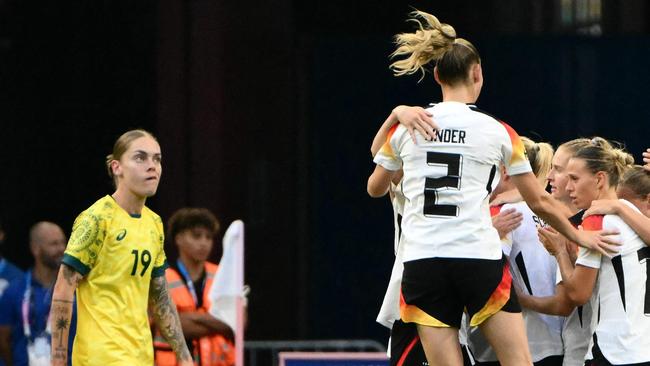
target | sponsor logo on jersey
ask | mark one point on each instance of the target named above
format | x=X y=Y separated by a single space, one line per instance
x=121 y=235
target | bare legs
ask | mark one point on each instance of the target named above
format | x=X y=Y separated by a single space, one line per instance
x=504 y=331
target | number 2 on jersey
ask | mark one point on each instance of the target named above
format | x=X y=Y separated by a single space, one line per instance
x=145 y=260
x=432 y=186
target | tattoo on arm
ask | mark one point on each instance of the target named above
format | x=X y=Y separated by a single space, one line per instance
x=71 y=276
x=61 y=312
x=166 y=317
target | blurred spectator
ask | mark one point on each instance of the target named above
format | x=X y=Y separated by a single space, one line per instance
x=210 y=341
x=24 y=337
x=8 y=271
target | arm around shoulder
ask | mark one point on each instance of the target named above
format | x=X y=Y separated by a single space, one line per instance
x=636 y=220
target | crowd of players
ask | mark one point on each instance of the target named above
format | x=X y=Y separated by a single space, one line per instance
x=490 y=268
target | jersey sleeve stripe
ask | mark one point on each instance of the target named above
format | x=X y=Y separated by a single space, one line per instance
x=159 y=271
x=76 y=264
x=386 y=148
x=495 y=210
x=593 y=223
x=518 y=148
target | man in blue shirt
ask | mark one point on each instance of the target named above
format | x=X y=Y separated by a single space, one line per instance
x=25 y=306
x=8 y=271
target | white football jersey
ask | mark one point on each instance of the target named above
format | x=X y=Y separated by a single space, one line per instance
x=398 y=211
x=623 y=321
x=533 y=271
x=389 y=311
x=577 y=330
x=447 y=181
x=580 y=324
x=390 y=307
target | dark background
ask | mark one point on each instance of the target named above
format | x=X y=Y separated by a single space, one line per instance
x=265 y=111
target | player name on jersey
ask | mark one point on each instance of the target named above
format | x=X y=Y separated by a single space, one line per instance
x=450 y=136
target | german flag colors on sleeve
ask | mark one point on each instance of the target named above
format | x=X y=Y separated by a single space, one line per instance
x=587 y=257
x=386 y=156
x=516 y=161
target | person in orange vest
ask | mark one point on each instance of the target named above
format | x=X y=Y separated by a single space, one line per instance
x=189 y=278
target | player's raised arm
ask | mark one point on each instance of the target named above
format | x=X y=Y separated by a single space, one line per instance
x=61 y=312
x=167 y=320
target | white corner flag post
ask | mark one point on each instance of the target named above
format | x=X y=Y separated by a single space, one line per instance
x=227 y=291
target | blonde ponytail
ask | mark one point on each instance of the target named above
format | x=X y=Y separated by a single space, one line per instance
x=540 y=155
x=622 y=161
x=431 y=42
x=602 y=155
x=428 y=43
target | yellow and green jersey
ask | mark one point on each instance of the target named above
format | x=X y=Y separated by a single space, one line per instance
x=118 y=254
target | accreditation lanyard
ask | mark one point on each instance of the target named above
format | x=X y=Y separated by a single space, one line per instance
x=27 y=297
x=189 y=282
x=3 y=264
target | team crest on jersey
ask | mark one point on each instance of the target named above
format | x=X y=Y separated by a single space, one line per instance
x=121 y=235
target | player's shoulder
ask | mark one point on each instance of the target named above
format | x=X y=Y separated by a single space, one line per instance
x=105 y=204
x=518 y=206
x=496 y=210
x=616 y=222
x=593 y=223
x=521 y=206
x=99 y=212
x=150 y=215
x=397 y=131
x=485 y=115
x=491 y=120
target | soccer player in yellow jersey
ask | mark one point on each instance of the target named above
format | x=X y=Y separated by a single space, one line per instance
x=115 y=261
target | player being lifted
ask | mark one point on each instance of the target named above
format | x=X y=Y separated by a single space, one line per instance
x=447 y=231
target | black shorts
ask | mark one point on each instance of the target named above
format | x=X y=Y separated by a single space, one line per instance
x=406 y=348
x=436 y=291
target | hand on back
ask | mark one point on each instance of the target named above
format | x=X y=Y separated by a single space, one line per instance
x=506 y=221
x=416 y=119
